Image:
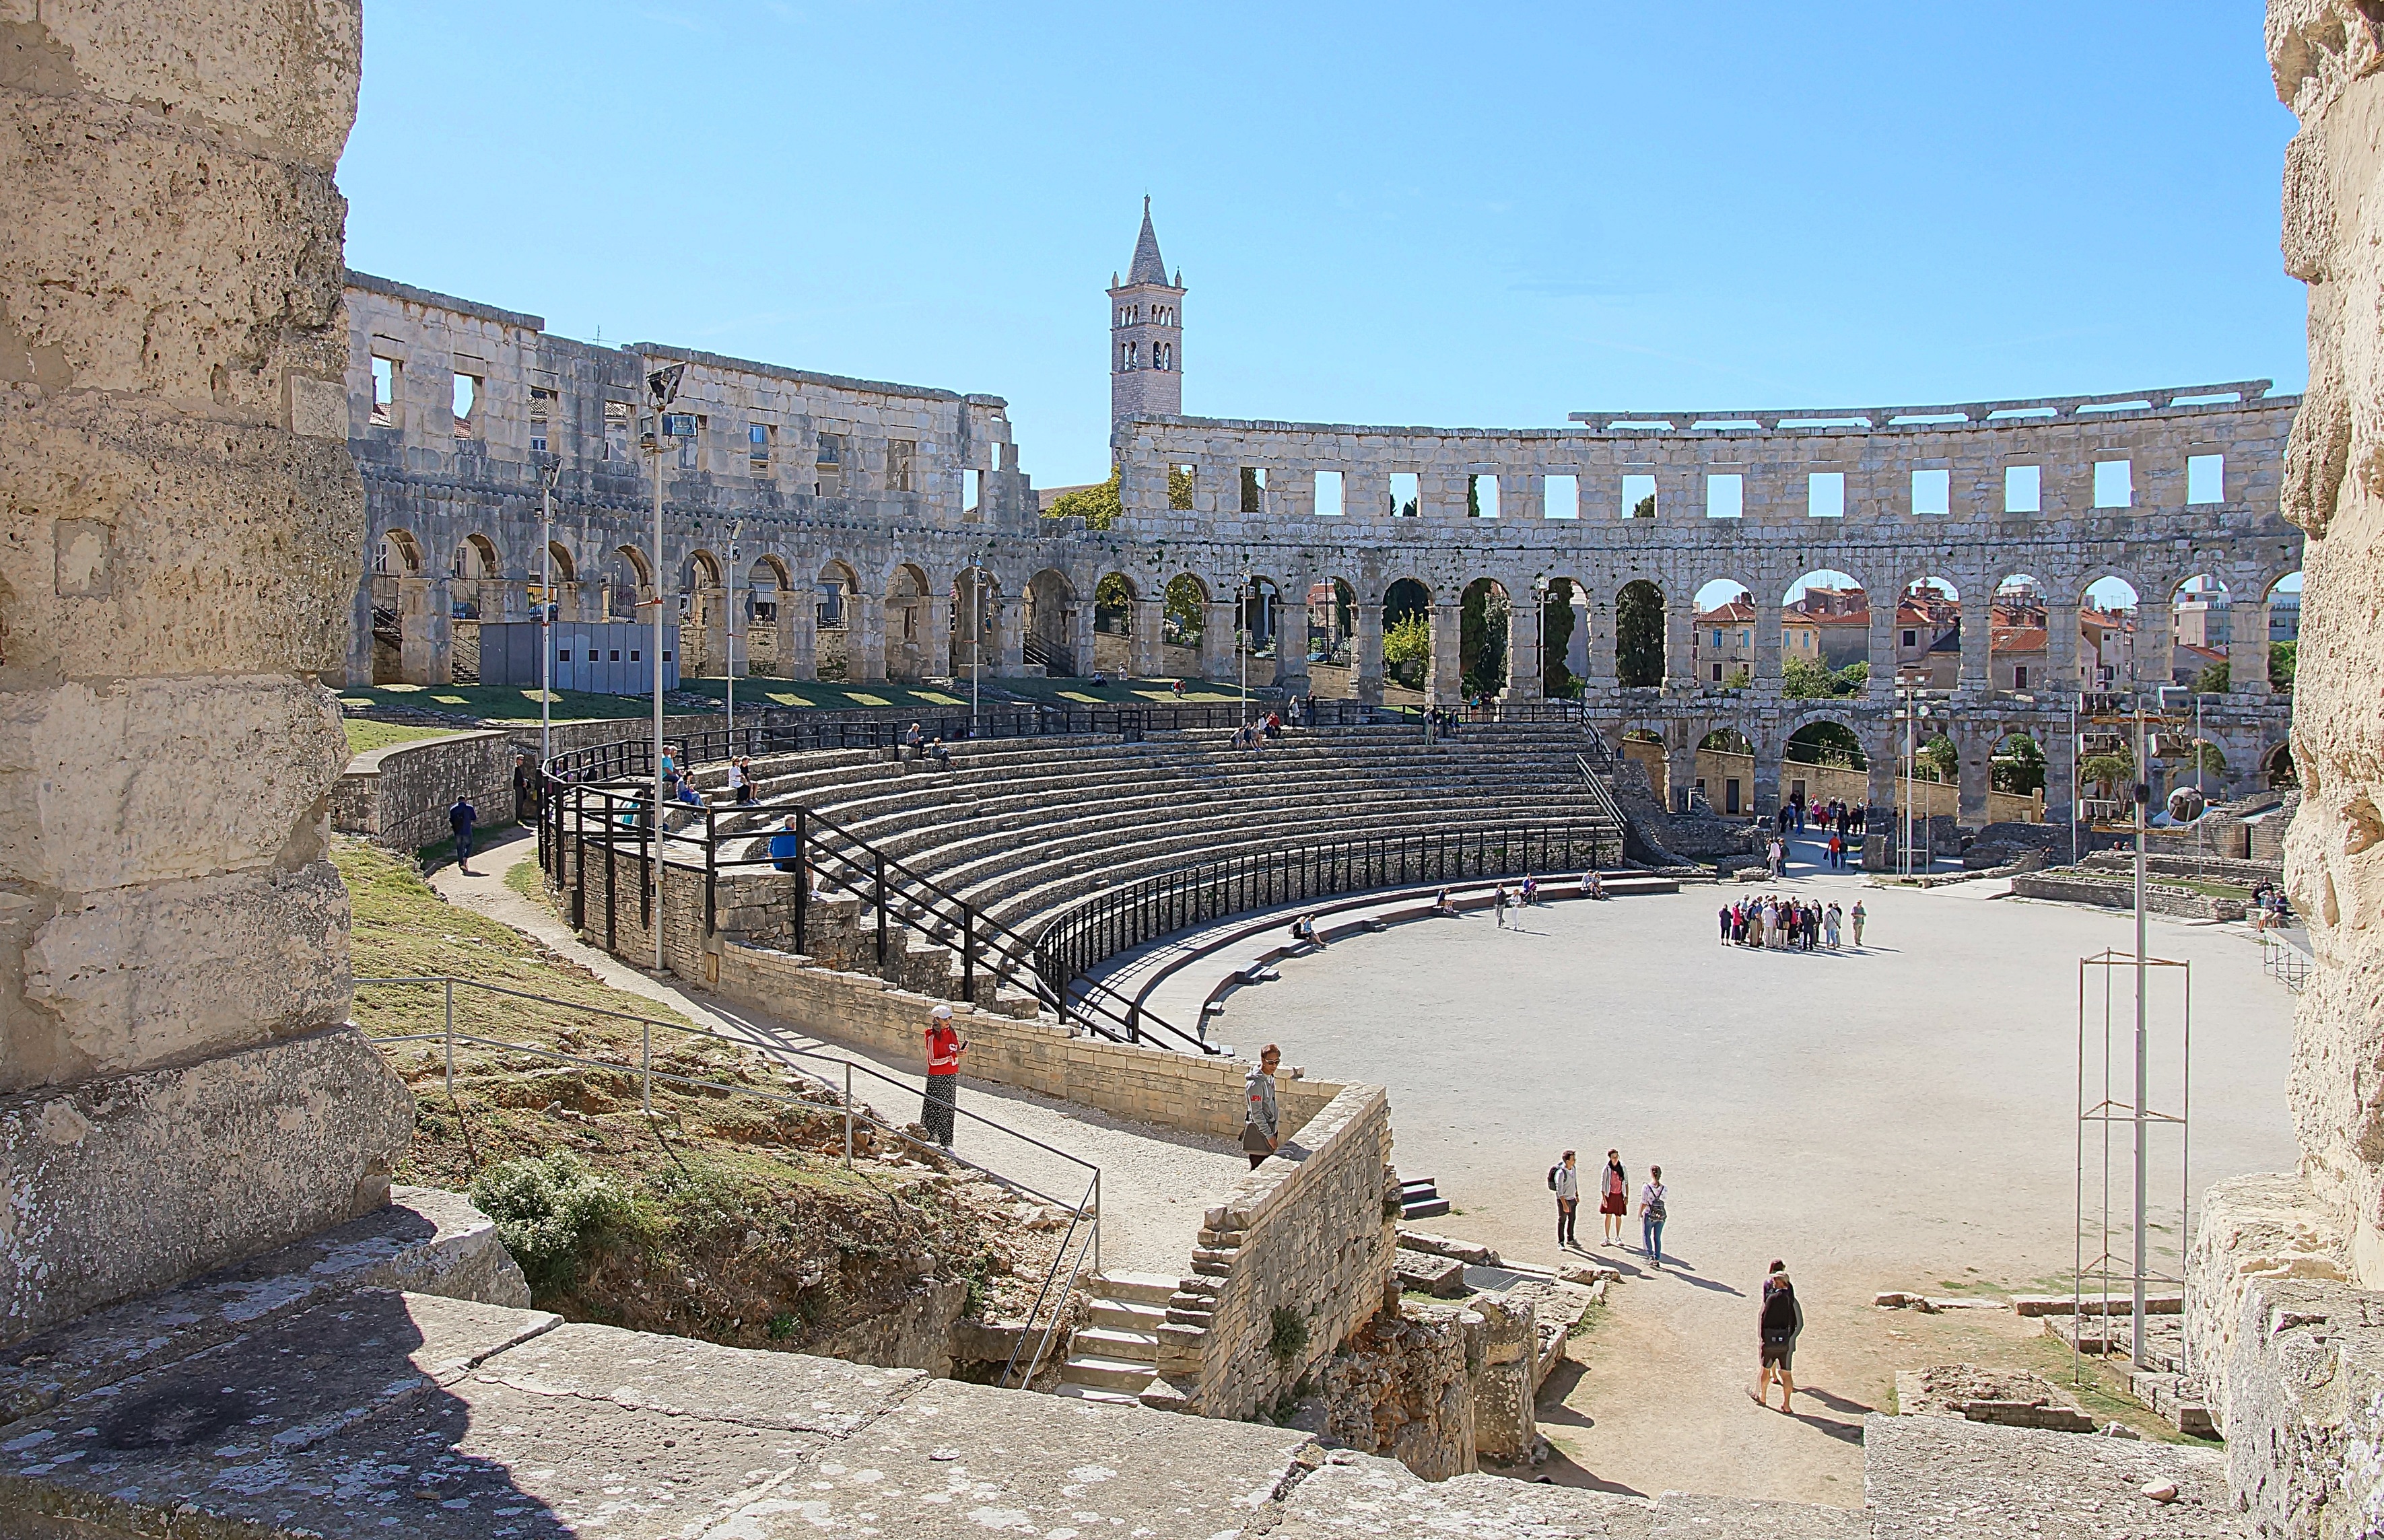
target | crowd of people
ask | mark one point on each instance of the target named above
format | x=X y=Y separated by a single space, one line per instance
x=1613 y=1205
x=1778 y=924
x=1833 y=816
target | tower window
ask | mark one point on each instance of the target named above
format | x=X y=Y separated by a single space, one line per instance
x=899 y=452
x=384 y=378
x=1129 y=357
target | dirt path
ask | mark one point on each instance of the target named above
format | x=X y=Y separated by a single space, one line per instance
x=1155 y=1181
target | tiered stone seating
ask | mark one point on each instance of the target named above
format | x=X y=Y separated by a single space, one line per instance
x=1020 y=829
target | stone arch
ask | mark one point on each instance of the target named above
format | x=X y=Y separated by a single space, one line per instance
x=1051 y=623
x=565 y=569
x=1825 y=626
x=1566 y=629
x=1484 y=609
x=1640 y=649
x=1927 y=633
x=399 y=554
x=627 y=581
x=1408 y=638
x=1184 y=623
x=977 y=605
x=703 y=569
x=2018 y=765
x=2201 y=606
x=478 y=559
x=836 y=642
x=916 y=647
x=2278 y=772
x=2022 y=651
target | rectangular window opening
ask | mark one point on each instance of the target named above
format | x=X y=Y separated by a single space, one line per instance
x=2114 y=484
x=1181 y=479
x=1407 y=494
x=1933 y=492
x=1725 y=495
x=761 y=447
x=900 y=455
x=541 y=415
x=828 y=467
x=1328 y=494
x=466 y=404
x=1254 y=489
x=616 y=430
x=1638 y=497
x=384 y=382
x=1561 y=497
x=1481 y=497
x=2205 y=478
x=2023 y=488
x=1825 y=494
x=971 y=484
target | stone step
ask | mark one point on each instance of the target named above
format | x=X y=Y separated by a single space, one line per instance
x=1128 y=1315
x=1140 y=1289
x=1095 y=1393
x=1112 y=1341
x=1129 y=1375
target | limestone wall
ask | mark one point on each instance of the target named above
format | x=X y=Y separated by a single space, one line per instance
x=184 y=527
x=1310 y=1232
x=398 y=797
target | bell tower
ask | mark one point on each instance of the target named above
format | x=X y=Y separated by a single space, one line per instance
x=1146 y=334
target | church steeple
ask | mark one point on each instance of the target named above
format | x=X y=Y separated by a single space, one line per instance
x=1145 y=333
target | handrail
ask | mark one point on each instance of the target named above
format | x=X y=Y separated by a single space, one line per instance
x=1089 y=1205
x=1119 y=919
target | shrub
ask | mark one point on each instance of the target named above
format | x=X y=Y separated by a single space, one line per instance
x=551 y=1211
x=1289 y=1338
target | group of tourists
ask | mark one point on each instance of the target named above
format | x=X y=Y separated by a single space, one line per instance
x=1254 y=735
x=1613 y=1205
x=1833 y=816
x=1780 y=924
x=2268 y=909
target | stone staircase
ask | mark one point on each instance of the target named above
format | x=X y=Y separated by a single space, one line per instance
x=1116 y=1357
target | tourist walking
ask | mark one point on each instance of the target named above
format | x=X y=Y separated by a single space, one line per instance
x=1830 y=922
x=1778 y=1323
x=1566 y=1183
x=945 y=1047
x=1652 y=1214
x=1613 y=1197
x=1727 y=911
x=1498 y=905
x=1837 y=851
x=461 y=819
x=1858 y=918
x=1259 y=1133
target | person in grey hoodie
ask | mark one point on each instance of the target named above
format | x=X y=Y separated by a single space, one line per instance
x=1259 y=1133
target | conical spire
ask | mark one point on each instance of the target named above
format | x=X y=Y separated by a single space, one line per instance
x=1148 y=267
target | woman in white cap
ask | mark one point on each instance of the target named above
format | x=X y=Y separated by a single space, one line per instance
x=944 y=1049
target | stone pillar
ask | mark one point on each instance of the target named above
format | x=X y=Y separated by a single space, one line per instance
x=2060 y=766
x=1765 y=774
x=1218 y=645
x=798 y=639
x=2060 y=649
x=1009 y=659
x=1880 y=786
x=1767 y=659
x=865 y=662
x=1974 y=748
x=1597 y=646
x=2156 y=631
x=1882 y=689
x=1366 y=654
x=936 y=637
x=1526 y=673
x=2247 y=648
x=425 y=631
x=1681 y=773
x=179 y=1089
x=1679 y=664
x=1978 y=635
x=710 y=653
x=1145 y=658
x=1443 y=678
x=1079 y=632
x=1291 y=644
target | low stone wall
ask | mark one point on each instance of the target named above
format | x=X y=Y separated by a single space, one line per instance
x=1311 y=1233
x=2214 y=868
x=2071 y=885
x=398 y=797
x=2251 y=1229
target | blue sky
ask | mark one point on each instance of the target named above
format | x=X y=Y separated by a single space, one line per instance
x=1480 y=215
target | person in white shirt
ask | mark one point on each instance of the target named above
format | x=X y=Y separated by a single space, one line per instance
x=1566 y=1182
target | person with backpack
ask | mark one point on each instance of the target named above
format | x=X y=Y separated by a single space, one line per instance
x=1778 y=1323
x=1614 y=1199
x=1261 y=1134
x=460 y=819
x=1565 y=1182
x=1652 y=1214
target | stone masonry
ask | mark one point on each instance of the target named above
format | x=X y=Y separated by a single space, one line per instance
x=184 y=527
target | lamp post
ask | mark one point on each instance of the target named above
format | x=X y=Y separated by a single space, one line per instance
x=1539 y=632
x=735 y=560
x=662 y=386
x=976 y=630
x=1242 y=640
x=546 y=617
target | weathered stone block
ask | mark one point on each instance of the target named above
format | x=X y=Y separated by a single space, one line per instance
x=192 y=1167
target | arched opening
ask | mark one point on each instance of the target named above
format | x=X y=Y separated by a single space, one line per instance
x=766 y=591
x=399 y=556
x=1639 y=635
x=396 y=558
x=1406 y=633
x=2201 y=632
x=1645 y=747
x=976 y=596
x=1114 y=600
x=1564 y=639
x=476 y=593
x=1823 y=765
x=835 y=649
x=1725 y=773
x=1824 y=637
x=1050 y=606
x=2277 y=770
x=2106 y=634
x=1258 y=606
x=627 y=583
x=1929 y=635
x=1183 y=625
x=2015 y=780
x=2019 y=637
x=910 y=652
x=2284 y=630
x=1332 y=638
x=702 y=571
x=1483 y=613
x=1721 y=642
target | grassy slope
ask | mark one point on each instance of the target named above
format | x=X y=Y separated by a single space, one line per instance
x=748 y=1228
x=364 y=736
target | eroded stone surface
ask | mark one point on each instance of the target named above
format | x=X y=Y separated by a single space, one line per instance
x=425 y=1240
x=1376 y=1498
x=1938 y=1477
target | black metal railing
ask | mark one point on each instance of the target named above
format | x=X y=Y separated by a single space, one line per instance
x=1120 y=919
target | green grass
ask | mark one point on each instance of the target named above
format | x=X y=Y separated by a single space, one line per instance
x=825 y=695
x=365 y=736
x=496 y=703
x=1123 y=692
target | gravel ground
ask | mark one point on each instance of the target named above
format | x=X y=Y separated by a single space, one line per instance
x=1155 y=1181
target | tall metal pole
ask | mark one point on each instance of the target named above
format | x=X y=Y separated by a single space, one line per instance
x=546 y=618
x=735 y=561
x=663 y=385
x=2144 y=805
x=1242 y=638
x=977 y=634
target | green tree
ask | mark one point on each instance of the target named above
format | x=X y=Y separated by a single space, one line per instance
x=2108 y=772
x=1179 y=487
x=1112 y=605
x=1186 y=612
x=2281 y=657
x=1407 y=640
x=1556 y=637
x=1831 y=743
x=1939 y=759
x=1639 y=635
x=1097 y=506
x=1853 y=679
x=2212 y=681
x=1645 y=507
x=1802 y=679
x=2017 y=767
x=1482 y=640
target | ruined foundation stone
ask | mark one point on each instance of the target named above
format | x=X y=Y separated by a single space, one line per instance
x=184 y=527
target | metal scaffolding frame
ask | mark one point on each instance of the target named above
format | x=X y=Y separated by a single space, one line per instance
x=2119 y=1029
